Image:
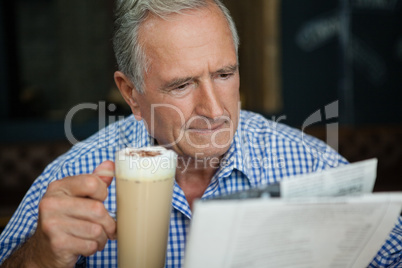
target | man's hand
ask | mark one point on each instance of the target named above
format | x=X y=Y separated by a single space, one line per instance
x=72 y=220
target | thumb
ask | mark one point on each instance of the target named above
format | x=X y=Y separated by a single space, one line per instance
x=105 y=171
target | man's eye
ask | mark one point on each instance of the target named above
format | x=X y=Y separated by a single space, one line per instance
x=225 y=76
x=181 y=87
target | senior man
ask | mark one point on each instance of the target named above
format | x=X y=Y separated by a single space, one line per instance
x=178 y=71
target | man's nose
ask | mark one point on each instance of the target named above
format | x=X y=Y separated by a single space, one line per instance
x=209 y=103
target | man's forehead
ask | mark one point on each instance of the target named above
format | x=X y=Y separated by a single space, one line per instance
x=189 y=30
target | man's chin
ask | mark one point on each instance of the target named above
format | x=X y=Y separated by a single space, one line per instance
x=212 y=151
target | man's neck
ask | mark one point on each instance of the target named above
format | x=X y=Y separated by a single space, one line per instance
x=194 y=176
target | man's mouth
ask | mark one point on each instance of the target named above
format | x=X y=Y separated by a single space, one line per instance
x=207 y=129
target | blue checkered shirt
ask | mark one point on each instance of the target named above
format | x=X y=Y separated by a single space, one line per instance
x=262 y=152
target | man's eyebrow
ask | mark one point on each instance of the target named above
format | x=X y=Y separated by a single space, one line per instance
x=228 y=69
x=175 y=82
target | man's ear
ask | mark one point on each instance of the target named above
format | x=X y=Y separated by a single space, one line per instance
x=129 y=93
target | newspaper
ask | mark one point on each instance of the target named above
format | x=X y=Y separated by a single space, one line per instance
x=356 y=178
x=334 y=229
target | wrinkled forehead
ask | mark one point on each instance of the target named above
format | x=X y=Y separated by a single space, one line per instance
x=158 y=30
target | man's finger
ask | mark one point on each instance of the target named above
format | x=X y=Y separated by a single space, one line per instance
x=88 y=185
x=87 y=231
x=95 y=212
x=85 y=209
x=105 y=171
x=78 y=246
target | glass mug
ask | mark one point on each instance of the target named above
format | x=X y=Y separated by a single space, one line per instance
x=144 y=188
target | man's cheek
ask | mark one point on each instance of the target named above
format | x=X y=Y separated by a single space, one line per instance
x=162 y=114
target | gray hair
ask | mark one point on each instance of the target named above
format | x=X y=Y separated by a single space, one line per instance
x=129 y=15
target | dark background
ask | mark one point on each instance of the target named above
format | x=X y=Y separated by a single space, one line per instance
x=316 y=63
x=56 y=54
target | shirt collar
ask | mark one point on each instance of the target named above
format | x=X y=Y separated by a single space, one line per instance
x=235 y=157
x=141 y=137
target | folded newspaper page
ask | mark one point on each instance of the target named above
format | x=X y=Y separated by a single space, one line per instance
x=321 y=225
x=352 y=179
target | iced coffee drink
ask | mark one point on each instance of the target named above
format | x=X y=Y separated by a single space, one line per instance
x=144 y=187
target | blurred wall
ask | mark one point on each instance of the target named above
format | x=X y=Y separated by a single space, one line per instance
x=296 y=56
x=346 y=50
x=57 y=53
x=322 y=51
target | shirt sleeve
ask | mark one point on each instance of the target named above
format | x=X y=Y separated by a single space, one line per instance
x=390 y=254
